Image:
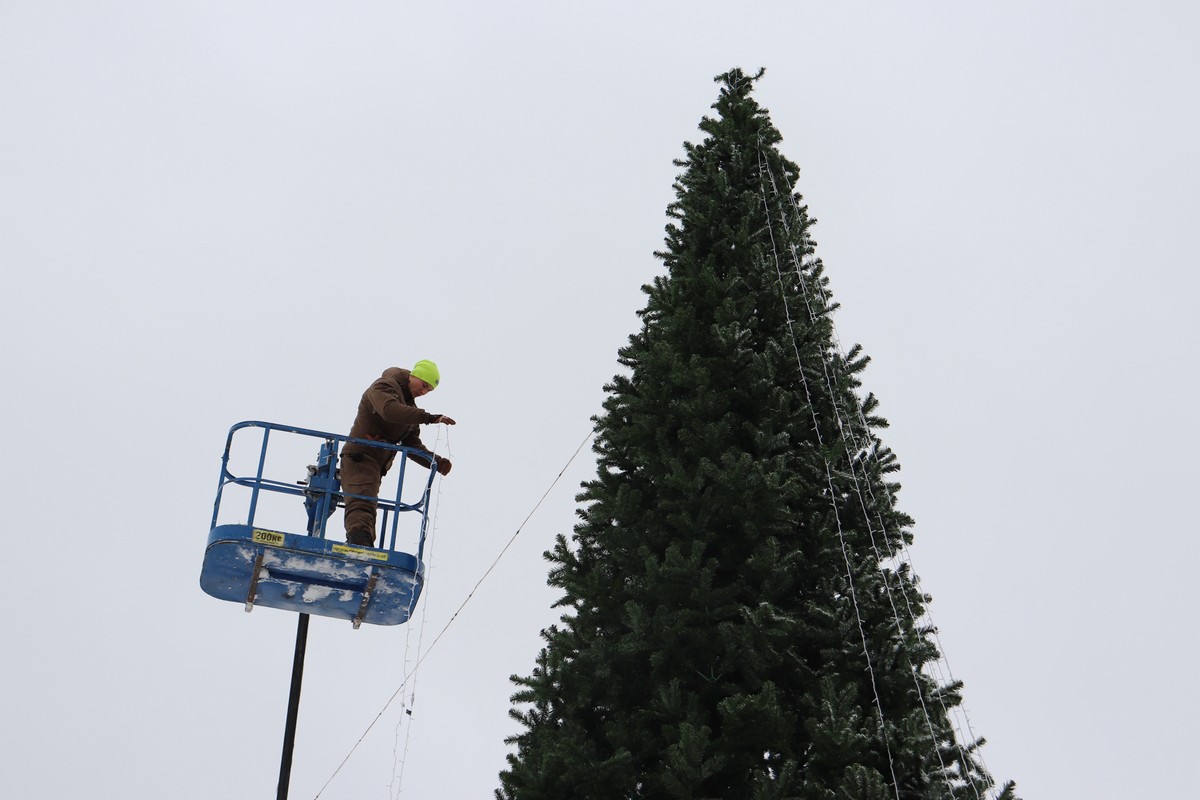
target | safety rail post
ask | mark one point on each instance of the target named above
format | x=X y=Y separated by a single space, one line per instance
x=262 y=462
x=221 y=481
x=425 y=514
x=399 y=491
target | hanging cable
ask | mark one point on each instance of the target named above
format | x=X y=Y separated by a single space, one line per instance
x=847 y=436
x=872 y=452
x=828 y=476
x=422 y=656
x=866 y=449
x=400 y=754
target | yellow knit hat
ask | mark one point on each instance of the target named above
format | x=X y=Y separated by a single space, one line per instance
x=427 y=371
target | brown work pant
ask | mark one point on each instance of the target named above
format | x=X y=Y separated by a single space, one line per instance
x=362 y=474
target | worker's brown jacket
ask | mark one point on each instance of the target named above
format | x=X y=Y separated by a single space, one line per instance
x=387 y=412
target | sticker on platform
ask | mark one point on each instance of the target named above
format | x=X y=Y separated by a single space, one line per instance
x=267 y=537
x=360 y=552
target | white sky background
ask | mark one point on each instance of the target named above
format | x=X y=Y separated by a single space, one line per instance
x=217 y=211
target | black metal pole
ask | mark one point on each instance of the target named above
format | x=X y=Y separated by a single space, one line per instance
x=289 y=733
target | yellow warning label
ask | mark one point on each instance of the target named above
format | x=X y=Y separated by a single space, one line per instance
x=267 y=537
x=359 y=552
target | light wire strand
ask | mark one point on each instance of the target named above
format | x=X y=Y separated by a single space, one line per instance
x=866 y=450
x=454 y=616
x=400 y=754
x=870 y=451
x=765 y=169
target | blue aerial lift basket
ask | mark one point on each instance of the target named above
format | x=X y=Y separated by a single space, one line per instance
x=258 y=565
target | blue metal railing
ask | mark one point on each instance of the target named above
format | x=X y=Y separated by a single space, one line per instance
x=321 y=490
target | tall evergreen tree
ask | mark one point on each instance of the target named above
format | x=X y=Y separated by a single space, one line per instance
x=736 y=622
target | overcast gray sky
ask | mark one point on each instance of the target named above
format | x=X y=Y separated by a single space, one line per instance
x=216 y=211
